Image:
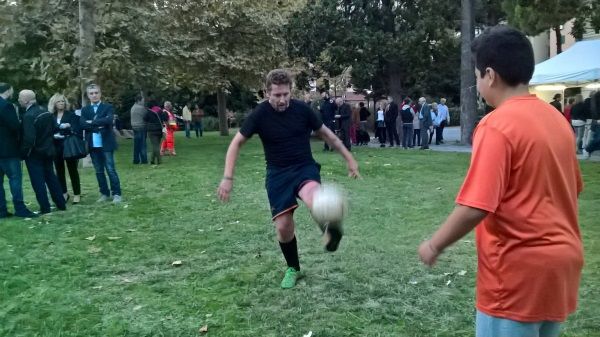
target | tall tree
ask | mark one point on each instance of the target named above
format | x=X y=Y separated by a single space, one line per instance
x=468 y=92
x=390 y=45
x=87 y=41
x=536 y=16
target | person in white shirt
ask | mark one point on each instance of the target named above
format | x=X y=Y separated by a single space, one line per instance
x=443 y=118
x=380 y=130
x=187 y=118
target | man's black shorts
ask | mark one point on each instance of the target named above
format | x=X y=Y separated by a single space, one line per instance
x=284 y=183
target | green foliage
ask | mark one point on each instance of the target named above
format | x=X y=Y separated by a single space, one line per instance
x=389 y=46
x=536 y=16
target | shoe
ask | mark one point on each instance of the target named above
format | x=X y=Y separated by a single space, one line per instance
x=26 y=214
x=117 y=199
x=5 y=215
x=382 y=145
x=76 y=199
x=290 y=278
x=102 y=198
x=332 y=236
x=586 y=154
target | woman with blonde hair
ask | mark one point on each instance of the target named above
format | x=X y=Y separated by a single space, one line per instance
x=67 y=124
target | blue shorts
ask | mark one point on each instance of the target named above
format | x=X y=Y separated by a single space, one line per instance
x=490 y=326
x=284 y=183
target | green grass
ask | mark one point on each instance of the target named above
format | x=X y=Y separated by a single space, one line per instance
x=54 y=282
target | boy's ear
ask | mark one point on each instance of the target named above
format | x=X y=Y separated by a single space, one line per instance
x=494 y=79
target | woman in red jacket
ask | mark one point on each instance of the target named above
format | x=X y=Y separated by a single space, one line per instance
x=168 y=145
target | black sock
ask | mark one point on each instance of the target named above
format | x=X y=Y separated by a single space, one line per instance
x=290 y=253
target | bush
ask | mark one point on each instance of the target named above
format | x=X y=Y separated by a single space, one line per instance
x=454 y=116
x=210 y=123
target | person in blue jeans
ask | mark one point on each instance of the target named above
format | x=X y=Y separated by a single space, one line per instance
x=97 y=121
x=10 y=161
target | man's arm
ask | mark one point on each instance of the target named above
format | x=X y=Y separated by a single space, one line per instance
x=335 y=143
x=28 y=135
x=233 y=151
x=460 y=222
x=11 y=118
x=107 y=119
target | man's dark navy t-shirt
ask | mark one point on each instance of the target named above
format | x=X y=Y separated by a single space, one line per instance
x=285 y=135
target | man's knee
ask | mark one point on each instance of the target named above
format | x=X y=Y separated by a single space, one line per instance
x=284 y=224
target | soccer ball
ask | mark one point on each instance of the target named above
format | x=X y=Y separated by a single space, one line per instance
x=329 y=205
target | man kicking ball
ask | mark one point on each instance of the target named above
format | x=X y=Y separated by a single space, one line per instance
x=284 y=126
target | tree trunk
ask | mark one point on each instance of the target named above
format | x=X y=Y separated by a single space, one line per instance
x=395 y=82
x=558 y=34
x=468 y=91
x=85 y=50
x=222 y=111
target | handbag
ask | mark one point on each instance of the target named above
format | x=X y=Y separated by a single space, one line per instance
x=74 y=148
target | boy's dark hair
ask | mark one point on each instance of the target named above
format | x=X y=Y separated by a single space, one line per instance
x=278 y=77
x=507 y=51
x=361 y=104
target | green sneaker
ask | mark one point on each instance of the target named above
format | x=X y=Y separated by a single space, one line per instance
x=290 y=278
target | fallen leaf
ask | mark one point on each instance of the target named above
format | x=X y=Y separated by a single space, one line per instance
x=387 y=164
x=201 y=230
x=137 y=307
x=126 y=205
x=439 y=188
x=204 y=329
x=462 y=273
x=91 y=238
x=94 y=249
x=219 y=229
x=209 y=315
x=112 y=238
x=413 y=282
x=202 y=252
x=309 y=334
x=97 y=287
x=177 y=263
x=131 y=230
x=446 y=274
x=448 y=283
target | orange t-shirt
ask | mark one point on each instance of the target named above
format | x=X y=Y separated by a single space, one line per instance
x=524 y=172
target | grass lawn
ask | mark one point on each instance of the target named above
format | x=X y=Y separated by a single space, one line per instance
x=104 y=270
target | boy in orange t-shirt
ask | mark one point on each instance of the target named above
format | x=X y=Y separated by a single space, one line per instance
x=520 y=193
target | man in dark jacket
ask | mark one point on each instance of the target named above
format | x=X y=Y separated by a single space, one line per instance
x=391 y=116
x=10 y=161
x=344 y=114
x=327 y=109
x=97 y=121
x=425 y=121
x=38 y=150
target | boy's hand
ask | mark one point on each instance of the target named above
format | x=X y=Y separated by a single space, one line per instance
x=353 y=169
x=427 y=253
x=224 y=189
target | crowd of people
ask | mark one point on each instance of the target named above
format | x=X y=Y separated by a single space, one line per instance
x=412 y=124
x=51 y=140
x=584 y=116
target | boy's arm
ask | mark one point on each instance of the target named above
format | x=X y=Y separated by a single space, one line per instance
x=458 y=224
x=335 y=143
x=233 y=151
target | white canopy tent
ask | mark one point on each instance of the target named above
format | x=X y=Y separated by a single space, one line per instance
x=578 y=66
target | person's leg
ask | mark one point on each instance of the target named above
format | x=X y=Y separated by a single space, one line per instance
x=424 y=137
x=12 y=169
x=74 y=175
x=550 y=329
x=390 y=134
x=346 y=137
x=579 y=130
x=143 y=147
x=431 y=131
x=201 y=127
x=155 y=140
x=171 y=141
x=38 y=184
x=115 y=184
x=395 y=134
x=438 y=135
x=325 y=145
x=332 y=233
x=163 y=146
x=59 y=164
x=489 y=326
x=53 y=185
x=98 y=160
x=3 y=209
x=187 y=129
x=136 y=146
x=442 y=127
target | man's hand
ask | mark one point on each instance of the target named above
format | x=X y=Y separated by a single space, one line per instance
x=224 y=189
x=63 y=126
x=427 y=253
x=353 y=169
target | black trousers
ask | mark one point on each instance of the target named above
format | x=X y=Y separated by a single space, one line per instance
x=155 y=138
x=392 y=132
x=416 y=137
x=41 y=175
x=59 y=165
x=439 y=133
